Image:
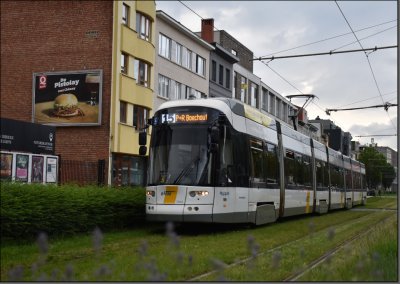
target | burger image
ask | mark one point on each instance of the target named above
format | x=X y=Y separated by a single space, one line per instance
x=66 y=105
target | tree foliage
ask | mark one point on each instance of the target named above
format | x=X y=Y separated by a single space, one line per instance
x=378 y=170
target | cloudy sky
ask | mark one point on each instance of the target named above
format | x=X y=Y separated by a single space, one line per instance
x=347 y=80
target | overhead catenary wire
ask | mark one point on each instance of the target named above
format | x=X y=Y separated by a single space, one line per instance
x=376 y=135
x=324 y=53
x=369 y=63
x=326 y=39
x=385 y=106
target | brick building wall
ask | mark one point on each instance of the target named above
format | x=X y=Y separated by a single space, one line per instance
x=244 y=54
x=56 y=36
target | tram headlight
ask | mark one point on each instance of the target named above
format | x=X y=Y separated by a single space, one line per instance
x=151 y=193
x=198 y=193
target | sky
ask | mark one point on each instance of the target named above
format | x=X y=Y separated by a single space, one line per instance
x=346 y=80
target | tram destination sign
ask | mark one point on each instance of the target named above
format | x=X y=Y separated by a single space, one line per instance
x=172 y=118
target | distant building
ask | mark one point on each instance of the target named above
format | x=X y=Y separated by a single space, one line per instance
x=336 y=137
x=392 y=159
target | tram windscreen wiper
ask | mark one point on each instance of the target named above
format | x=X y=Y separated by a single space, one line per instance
x=188 y=169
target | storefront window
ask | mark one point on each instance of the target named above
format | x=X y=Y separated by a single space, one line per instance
x=128 y=170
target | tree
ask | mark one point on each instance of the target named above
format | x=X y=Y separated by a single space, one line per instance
x=378 y=171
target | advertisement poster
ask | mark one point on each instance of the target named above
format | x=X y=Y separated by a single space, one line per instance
x=6 y=166
x=21 y=172
x=51 y=173
x=68 y=98
x=37 y=168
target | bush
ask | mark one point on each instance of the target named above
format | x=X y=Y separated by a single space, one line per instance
x=27 y=209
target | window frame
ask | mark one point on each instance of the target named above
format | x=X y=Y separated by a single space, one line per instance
x=200 y=65
x=227 y=78
x=138 y=74
x=123 y=111
x=164 y=46
x=143 y=26
x=164 y=86
x=125 y=14
x=124 y=63
x=142 y=114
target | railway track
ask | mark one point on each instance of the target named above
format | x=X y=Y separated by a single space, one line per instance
x=295 y=276
x=330 y=253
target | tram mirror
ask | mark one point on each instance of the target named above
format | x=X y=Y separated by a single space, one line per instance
x=142 y=150
x=215 y=134
x=142 y=138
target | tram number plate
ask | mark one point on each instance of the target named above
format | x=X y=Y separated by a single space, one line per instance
x=170 y=194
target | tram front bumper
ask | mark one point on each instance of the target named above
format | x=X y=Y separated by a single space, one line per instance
x=179 y=213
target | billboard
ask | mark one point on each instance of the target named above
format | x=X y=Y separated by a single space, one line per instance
x=72 y=98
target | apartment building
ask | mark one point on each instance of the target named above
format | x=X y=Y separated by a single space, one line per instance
x=182 y=62
x=100 y=53
x=246 y=86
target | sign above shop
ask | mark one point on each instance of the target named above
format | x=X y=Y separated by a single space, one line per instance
x=27 y=137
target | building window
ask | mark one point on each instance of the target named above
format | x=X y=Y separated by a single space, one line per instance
x=164 y=46
x=221 y=75
x=278 y=108
x=243 y=88
x=214 y=71
x=285 y=112
x=227 y=78
x=265 y=100
x=125 y=14
x=122 y=111
x=186 y=58
x=200 y=65
x=143 y=26
x=142 y=70
x=178 y=54
x=176 y=90
x=140 y=116
x=128 y=170
x=271 y=104
x=234 y=52
x=124 y=63
x=163 y=86
x=253 y=95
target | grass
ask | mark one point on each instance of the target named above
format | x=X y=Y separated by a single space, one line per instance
x=382 y=202
x=156 y=253
x=372 y=258
x=280 y=264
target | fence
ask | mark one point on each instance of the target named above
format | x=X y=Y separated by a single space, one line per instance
x=82 y=172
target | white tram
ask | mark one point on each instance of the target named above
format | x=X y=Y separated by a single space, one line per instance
x=219 y=160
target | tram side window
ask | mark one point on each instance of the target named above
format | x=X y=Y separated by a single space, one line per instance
x=356 y=180
x=257 y=168
x=306 y=168
x=299 y=170
x=290 y=168
x=271 y=162
x=326 y=174
x=320 y=173
x=349 y=184
x=226 y=176
x=337 y=177
x=241 y=159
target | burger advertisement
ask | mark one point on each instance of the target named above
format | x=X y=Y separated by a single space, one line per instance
x=67 y=98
